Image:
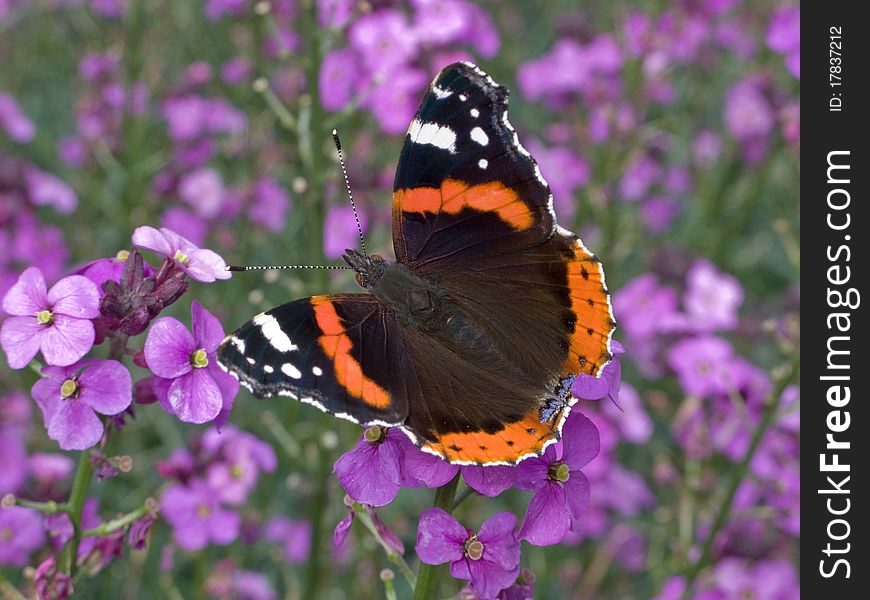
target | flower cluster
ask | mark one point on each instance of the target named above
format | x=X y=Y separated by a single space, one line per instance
x=212 y=478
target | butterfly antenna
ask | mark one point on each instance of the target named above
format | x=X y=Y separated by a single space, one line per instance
x=349 y=192
x=267 y=267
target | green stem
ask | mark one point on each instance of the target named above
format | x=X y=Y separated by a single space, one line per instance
x=428 y=575
x=108 y=527
x=10 y=591
x=467 y=493
x=312 y=575
x=394 y=557
x=76 y=506
x=48 y=508
x=767 y=419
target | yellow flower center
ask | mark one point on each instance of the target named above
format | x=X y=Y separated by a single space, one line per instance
x=68 y=388
x=199 y=359
x=44 y=317
x=203 y=511
x=375 y=434
x=181 y=257
x=560 y=472
x=236 y=472
x=474 y=548
x=6 y=534
x=122 y=255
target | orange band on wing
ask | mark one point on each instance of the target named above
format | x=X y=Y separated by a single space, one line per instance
x=588 y=350
x=453 y=196
x=336 y=345
x=517 y=440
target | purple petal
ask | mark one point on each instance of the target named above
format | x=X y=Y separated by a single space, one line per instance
x=207 y=330
x=66 y=340
x=75 y=296
x=548 y=517
x=580 y=441
x=533 y=473
x=160 y=386
x=489 y=481
x=20 y=339
x=107 y=387
x=28 y=295
x=195 y=397
x=150 y=238
x=577 y=493
x=499 y=539
x=488 y=579
x=191 y=536
x=339 y=535
x=206 y=266
x=440 y=537
x=224 y=526
x=589 y=387
x=422 y=467
x=168 y=348
x=75 y=426
x=370 y=473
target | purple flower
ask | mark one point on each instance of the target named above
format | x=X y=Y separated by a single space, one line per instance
x=215 y=9
x=242 y=458
x=189 y=382
x=490 y=559
x=15 y=121
x=712 y=297
x=56 y=322
x=658 y=213
x=784 y=36
x=338 y=79
x=383 y=461
x=21 y=533
x=70 y=398
x=203 y=189
x=51 y=583
x=197 y=517
x=561 y=489
x=13 y=459
x=644 y=305
x=765 y=579
x=638 y=178
x=393 y=101
x=385 y=40
x=269 y=205
x=701 y=364
x=104 y=269
x=440 y=22
x=201 y=264
x=635 y=425
x=489 y=481
x=606 y=385
x=140 y=530
x=250 y=585
x=293 y=536
x=371 y=472
x=748 y=113
x=339 y=231
x=47 y=190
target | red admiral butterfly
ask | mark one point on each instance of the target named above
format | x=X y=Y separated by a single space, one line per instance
x=471 y=340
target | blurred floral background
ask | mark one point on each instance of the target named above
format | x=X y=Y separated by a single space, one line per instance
x=670 y=135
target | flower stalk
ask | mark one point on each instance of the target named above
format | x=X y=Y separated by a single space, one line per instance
x=428 y=575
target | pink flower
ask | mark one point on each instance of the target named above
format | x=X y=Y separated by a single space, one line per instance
x=56 y=321
x=201 y=264
x=70 y=398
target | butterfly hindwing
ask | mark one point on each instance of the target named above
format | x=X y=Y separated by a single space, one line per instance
x=464 y=184
x=329 y=351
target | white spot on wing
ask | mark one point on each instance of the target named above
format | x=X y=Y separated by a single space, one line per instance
x=474 y=113
x=317 y=371
x=250 y=360
x=463 y=97
x=483 y=163
x=479 y=136
x=439 y=136
x=441 y=93
x=291 y=371
x=272 y=331
x=268 y=369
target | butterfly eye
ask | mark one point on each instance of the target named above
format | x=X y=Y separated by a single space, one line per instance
x=359 y=279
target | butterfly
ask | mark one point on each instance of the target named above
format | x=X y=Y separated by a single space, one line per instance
x=471 y=340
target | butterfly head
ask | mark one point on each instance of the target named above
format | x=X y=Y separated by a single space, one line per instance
x=369 y=269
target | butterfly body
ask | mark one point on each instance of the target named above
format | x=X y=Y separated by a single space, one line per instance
x=471 y=339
